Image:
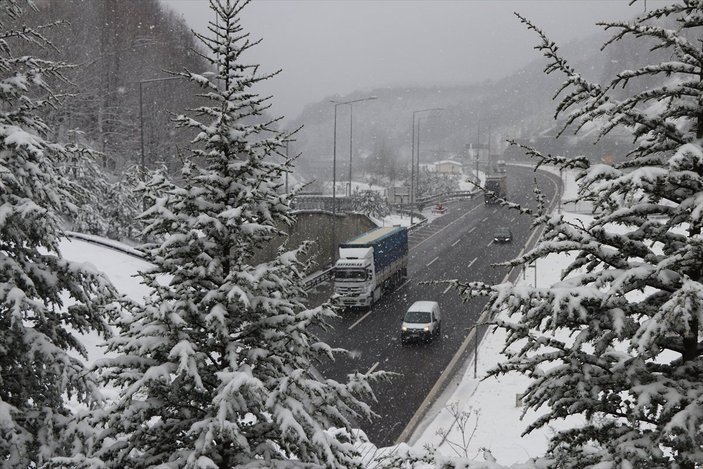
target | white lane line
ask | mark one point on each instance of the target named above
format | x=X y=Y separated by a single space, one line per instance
x=372 y=368
x=450 y=224
x=407 y=433
x=359 y=320
x=447 y=289
x=512 y=219
x=472 y=262
x=484 y=219
x=371 y=311
x=456 y=242
x=489 y=244
x=472 y=230
x=432 y=261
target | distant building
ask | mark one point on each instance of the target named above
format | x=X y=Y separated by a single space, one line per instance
x=448 y=167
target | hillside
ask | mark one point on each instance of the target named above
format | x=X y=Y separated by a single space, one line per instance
x=519 y=107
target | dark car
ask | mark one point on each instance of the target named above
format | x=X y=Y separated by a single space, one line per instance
x=503 y=235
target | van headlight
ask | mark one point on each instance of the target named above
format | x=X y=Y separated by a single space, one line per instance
x=427 y=328
x=403 y=328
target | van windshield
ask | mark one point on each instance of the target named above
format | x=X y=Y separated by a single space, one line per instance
x=357 y=275
x=418 y=317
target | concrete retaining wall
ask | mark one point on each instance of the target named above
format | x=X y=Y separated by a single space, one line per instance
x=316 y=226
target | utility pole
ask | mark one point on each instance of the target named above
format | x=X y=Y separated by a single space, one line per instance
x=286 y=167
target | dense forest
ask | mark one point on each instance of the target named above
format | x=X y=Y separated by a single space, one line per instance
x=115 y=46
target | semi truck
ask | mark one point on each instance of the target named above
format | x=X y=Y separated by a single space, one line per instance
x=370 y=264
x=496 y=186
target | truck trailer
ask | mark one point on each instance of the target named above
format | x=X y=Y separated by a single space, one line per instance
x=370 y=264
x=496 y=186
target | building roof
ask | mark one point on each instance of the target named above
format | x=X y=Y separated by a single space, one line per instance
x=449 y=162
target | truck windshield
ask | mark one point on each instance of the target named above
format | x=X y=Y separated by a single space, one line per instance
x=418 y=317
x=357 y=275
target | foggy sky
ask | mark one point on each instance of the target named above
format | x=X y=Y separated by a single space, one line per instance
x=327 y=48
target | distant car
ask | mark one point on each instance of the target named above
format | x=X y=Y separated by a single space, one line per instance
x=422 y=321
x=503 y=235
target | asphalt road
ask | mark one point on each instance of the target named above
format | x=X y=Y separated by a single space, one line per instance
x=458 y=245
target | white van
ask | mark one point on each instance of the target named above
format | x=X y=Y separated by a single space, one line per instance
x=422 y=321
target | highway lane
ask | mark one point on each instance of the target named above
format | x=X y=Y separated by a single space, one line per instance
x=458 y=245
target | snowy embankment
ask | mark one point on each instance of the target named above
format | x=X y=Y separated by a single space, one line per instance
x=494 y=418
x=490 y=409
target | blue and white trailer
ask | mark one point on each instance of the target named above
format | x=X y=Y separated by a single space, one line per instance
x=371 y=264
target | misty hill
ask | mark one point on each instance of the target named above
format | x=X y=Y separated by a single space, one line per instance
x=518 y=107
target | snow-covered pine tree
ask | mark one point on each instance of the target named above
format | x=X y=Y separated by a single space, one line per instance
x=216 y=368
x=371 y=203
x=617 y=340
x=105 y=208
x=44 y=300
x=432 y=183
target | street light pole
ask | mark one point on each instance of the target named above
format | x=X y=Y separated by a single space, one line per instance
x=334 y=186
x=413 y=160
x=334 y=165
x=141 y=130
x=351 y=126
x=286 y=168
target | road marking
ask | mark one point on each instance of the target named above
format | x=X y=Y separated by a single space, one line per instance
x=489 y=244
x=371 y=311
x=359 y=320
x=432 y=261
x=456 y=242
x=447 y=289
x=471 y=263
x=484 y=219
x=448 y=225
x=512 y=219
x=472 y=230
x=408 y=432
x=372 y=368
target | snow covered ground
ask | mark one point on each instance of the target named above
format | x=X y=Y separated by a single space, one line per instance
x=494 y=421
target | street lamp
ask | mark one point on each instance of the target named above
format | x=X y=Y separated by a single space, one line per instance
x=412 y=161
x=141 y=116
x=334 y=164
x=351 y=128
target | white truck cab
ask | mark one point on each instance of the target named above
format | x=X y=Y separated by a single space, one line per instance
x=354 y=275
x=369 y=265
x=422 y=321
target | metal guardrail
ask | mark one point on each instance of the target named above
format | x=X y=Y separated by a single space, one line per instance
x=345 y=204
x=312 y=282
x=446 y=196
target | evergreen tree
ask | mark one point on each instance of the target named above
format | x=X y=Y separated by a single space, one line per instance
x=108 y=209
x=215 y=368
x=617 y=340
x=432 y=183
x=45 y=300
x=370 y=203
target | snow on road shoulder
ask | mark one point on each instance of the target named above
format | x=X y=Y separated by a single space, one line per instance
x=119 y=267
x=494 y=422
